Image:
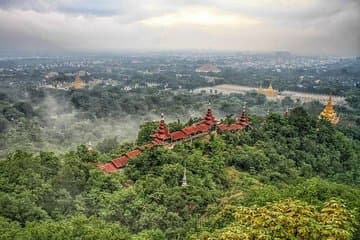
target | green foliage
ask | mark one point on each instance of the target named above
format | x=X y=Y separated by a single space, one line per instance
x=77 y=227
x=145 y=131
x=175 y=126
x=107 y=145
x=3 y=124
x=25 y=108
x=150 y=235
x=297 y=146
x=8 y=229
x=237 y=187
x=288 y=219
x=122 y=149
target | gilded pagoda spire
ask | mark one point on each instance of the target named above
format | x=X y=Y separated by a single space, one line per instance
x=329 y=113
x=271 y=87
x=78 y=83
x=269 y=92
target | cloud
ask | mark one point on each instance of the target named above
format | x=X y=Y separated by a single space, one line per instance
x=302 y=26
x=199 y=16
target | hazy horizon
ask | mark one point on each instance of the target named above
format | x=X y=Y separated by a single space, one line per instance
x=302 y=27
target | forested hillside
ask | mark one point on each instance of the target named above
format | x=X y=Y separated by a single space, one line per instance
x=179 y=120
x=292 y=177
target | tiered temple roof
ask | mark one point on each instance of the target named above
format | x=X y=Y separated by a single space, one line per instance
x=162 y=133
x=243 y=119
x=241 y=123
x=209 y=118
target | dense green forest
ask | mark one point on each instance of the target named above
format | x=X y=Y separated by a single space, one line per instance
x=292 y=177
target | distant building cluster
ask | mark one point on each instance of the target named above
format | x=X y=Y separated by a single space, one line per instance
x=78 y=83
x=207 y=68
x=51 y=75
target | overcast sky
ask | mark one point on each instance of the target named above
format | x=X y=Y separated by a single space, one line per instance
x=330 y=27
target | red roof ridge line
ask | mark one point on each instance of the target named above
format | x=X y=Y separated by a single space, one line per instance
x=208 y=120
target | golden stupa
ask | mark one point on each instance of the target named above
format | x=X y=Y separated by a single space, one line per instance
x=328 y=113
x=269 y=92
x=78 y=83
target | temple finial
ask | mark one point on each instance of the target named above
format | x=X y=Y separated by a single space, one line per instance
x=162 y=116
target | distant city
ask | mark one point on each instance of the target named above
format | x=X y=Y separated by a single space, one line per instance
x=285 y=71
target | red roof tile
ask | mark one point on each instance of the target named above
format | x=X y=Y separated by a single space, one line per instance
x=162 y=132
x=231 y=127
x=177 y=135
x=146 y=146
x=244 y=120
x=202 y=127
x=189 y=130
x=108 y=167
x=209 y=118
x=222 y=127
x=161 y=136
x=120 y=161
x=149 y=145
x=133 y=153
x=157 y=142
x=208 y=122
x=234 y=127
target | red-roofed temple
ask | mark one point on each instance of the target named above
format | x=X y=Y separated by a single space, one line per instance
x=162 y=133
x=241 y=123
x=163 y=136
x=244 y=120
x=209 y=119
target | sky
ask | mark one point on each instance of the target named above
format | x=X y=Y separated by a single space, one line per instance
x=309 y=27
